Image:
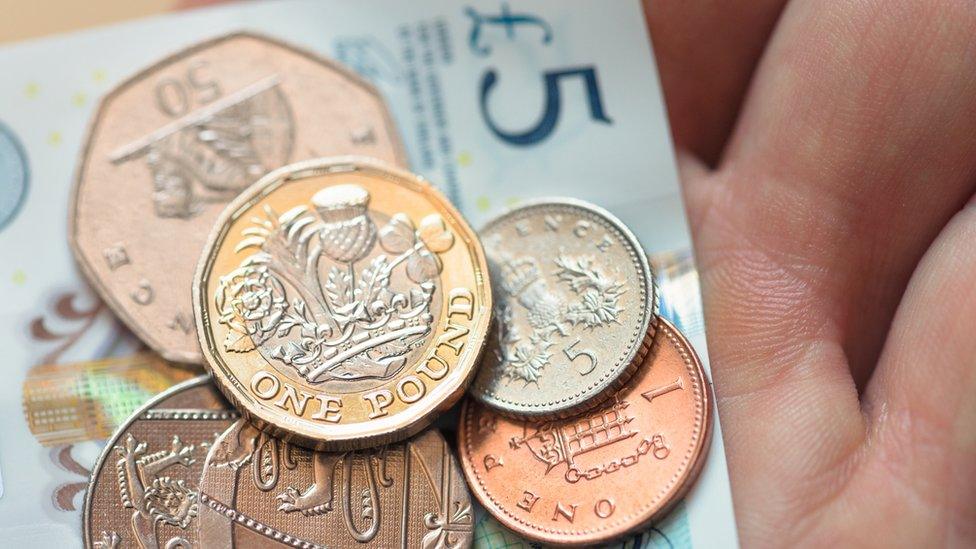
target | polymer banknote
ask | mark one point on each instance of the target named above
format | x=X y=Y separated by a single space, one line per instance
x=496 y=103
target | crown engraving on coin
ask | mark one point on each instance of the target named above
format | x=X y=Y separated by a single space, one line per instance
x=343 y=303
x=595 y=303
x=602 y=473
x=301 y=301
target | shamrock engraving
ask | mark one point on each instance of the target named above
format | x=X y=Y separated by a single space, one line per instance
x=419 y=247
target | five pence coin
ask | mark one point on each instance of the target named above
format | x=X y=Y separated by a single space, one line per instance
x=575 y=306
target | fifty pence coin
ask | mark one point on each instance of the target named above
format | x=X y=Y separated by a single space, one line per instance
x=342 y=304
x=575 y=307
x=144 y=489
x=257 y=491
x=596 y=476
x=169 y=147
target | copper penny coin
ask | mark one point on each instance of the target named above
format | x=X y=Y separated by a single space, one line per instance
x=599 y=475
x=575 y=307
x=170 y=146
x=258 y=491
x=144 y=489
x=342 y=303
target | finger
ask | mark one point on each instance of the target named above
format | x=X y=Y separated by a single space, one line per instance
x=692 y=169
x=920 y=401
x=706 y=53
x=854 y=148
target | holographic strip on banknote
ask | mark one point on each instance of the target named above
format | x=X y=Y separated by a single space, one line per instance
x=677 y=279
x=76 y=402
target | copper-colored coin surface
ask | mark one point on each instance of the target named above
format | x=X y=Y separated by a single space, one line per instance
x=257 y=491
x=342 y=303
x=599 y=475
x=575 y=307
x=144 y=489
x=169 y=147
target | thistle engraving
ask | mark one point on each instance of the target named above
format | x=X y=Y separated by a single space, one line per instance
x=341 y=323
x=527 y=298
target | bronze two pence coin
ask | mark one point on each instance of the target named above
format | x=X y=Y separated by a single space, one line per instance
x=144 y=489
x=170 y=146
x=599 y=475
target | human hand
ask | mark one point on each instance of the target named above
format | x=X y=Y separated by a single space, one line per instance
x=828 y=158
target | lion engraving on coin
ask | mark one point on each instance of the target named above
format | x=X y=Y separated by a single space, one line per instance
x=155 y=499
x=243 y=444
x=209 y=157
x=341 y=322
x=367 y=495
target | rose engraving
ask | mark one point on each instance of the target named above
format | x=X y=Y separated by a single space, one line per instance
x=301 y=300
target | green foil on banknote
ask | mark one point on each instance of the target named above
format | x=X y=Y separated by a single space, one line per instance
x=495 y=103
x=69 y=403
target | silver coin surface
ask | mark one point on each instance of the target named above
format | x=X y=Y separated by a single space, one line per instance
x=144 y=489
x=575 y=309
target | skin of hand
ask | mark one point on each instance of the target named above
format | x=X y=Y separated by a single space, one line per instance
x=828 y=160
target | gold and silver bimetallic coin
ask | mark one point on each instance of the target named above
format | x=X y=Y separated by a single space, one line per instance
x=257 y=491
x=144 y=489
x=575 y=309
x=170 y=146
x=342 y=304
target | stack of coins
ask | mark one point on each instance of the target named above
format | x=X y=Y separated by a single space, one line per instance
x=590 y=414
x=338 y=306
